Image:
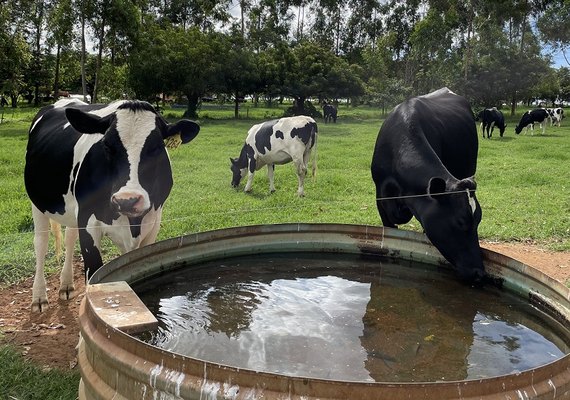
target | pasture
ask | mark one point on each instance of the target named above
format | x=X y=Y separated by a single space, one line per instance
x=522 y=182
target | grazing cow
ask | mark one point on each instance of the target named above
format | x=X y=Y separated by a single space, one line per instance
x=529 y=118
x=556 y=115
x=97 y=169
x=329 y=112
x=277 y=142
x=491 y=117
x=423 y=166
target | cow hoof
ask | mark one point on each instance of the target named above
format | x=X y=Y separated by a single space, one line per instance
x=39 y=305
x=301 y=194
x=272 y=191
x=67 y=292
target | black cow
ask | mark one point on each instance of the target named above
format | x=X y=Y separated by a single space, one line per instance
x=529 y=118
x=97 y=169
x=329 y=112
x=491 y=117
x=423 y=166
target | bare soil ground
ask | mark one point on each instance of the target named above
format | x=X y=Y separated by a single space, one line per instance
x=49 y=338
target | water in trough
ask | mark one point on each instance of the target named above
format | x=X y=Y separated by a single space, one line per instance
x=345 y=317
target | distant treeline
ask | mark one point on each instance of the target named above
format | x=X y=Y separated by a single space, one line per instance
x=367 y=51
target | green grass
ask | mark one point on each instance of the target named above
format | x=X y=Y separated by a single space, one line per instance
x=23 y=380
x=522 y=181
x=522 y=184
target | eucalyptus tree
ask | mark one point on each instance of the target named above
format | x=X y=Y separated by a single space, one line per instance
x=203 y=14
x=61 y=20
x=37 y=73
x=554 y=26
x=268 y=24
x=116 y=24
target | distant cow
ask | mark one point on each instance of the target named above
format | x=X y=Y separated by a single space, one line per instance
x=329 y=112
x=556 y=115
x=97 y=169
x=277 y=142
x=423 y=166
x=491 y=117
x=529 y=118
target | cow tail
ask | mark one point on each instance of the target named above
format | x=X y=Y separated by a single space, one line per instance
x=314 y=169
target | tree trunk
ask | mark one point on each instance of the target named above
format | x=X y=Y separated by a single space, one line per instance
x=99 y=59
x=236 y=105
x=299 y=105
x=513 y=105
x=192 y=110
x=83 y=51
x=56 y=79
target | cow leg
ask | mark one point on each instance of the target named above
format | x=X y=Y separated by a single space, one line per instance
x=250 y=172
x=41 y=239
x=301 y=172
x=90 y=243
x=66 y=285
x=270 y=175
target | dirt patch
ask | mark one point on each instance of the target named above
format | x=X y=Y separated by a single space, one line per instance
x=49 y=338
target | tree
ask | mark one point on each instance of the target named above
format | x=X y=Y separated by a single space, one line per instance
x=553 y=26
x=61 y=20
x=239 y=75
x=15 y=54
x=174 y=60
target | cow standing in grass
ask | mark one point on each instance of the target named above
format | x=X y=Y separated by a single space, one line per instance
x=491 y=117
x=274 y=142
x=529 y=118
x=98 y=170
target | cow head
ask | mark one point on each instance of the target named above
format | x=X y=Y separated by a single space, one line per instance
x=525 y=120
x=450 y=220
x=238 y=172
x=135 y=171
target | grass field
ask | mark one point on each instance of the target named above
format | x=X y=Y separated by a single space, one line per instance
x=522 y=181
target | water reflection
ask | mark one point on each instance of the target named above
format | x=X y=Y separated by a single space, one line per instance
x=339 y=317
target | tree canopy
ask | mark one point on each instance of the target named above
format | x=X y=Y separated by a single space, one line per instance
x=365 y=51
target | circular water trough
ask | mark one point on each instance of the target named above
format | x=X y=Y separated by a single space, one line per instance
x=115 y=365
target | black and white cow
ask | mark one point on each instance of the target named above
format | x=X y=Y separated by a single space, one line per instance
x=529 y=118
x=98 y=170
x=277 y=142
x=491 y=117
x=329 y=112
x=556 y=115
x=423 y=166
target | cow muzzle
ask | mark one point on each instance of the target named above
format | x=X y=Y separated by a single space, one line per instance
x=129 y=204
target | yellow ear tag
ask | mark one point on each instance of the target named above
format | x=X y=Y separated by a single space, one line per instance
x=172 y=142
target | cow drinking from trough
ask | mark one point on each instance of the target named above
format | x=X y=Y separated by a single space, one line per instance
x=277 y=142
x=491 y=117
x=98 y=170
x=530 y=118
x=423 y=166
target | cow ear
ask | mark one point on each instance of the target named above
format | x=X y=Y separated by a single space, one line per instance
x=87 y=123
x=187 y=130
x=436 y=186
